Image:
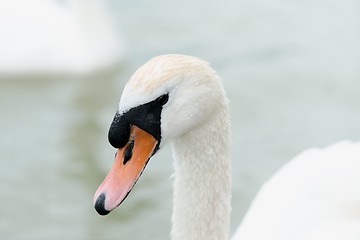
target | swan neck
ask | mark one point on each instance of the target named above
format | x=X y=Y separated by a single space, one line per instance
x=202 y=187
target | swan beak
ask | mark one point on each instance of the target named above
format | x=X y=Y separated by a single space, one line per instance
x=130 y=161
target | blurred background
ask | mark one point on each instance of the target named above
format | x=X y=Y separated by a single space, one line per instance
x=291 y=70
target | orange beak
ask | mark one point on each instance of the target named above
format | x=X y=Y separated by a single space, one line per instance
x=130 y=161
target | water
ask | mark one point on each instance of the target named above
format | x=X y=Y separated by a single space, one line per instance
x=292 y=73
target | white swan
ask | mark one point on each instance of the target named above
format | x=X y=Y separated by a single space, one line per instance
x=53 y=36
x=180 y=99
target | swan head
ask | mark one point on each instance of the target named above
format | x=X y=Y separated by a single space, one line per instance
x=169 y=96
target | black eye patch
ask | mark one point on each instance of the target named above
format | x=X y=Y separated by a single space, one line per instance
x=163 y=99
x=146 y=116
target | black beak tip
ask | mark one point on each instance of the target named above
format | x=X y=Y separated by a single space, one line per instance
x=100 y=205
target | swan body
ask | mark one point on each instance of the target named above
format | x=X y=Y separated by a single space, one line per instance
x=50 y=36
x=180 y=100
x=314 y=196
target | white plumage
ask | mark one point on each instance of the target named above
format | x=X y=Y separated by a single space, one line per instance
x=314 y=196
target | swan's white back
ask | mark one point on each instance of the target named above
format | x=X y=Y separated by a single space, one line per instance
x=74 y=36
x=315 y=196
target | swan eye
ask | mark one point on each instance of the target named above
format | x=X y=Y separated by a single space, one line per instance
x=162 y=99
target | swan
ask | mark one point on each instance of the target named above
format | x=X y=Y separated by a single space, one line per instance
x=180 y=100
x=52 y=36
